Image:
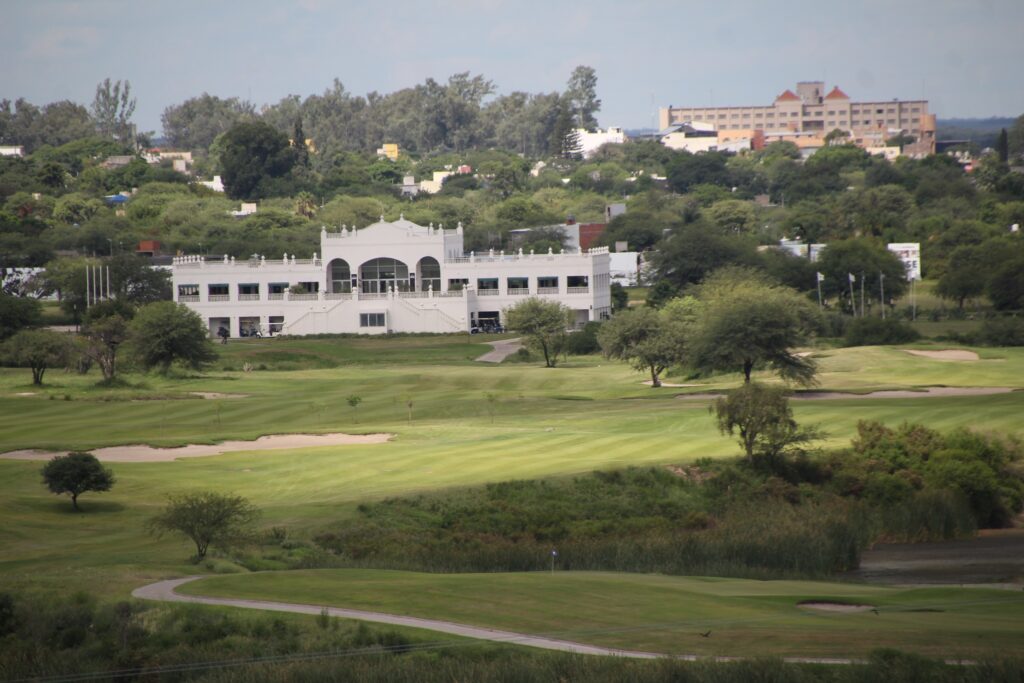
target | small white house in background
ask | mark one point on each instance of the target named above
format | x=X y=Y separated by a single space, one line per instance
x=12 y=151
x=248 y=209
x=217 y=185
x=910 y=254
x=590 y=142
x=387 y=277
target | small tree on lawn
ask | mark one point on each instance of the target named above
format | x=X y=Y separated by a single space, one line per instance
x=207 y=518
x=354 y=401
x=544 y=324
x=762 y=418
x=645 y=338
x=76 y=473
x=166 y=332
x=39 y=350
x=748 y=321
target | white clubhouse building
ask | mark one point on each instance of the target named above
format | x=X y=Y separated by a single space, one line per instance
x=387 y=277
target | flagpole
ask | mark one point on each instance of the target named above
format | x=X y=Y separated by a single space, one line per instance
x=881 y=284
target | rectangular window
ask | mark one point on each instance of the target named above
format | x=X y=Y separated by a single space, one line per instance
x=371 y=320
x=518 y=285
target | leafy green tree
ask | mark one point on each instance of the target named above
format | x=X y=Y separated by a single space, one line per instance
x=195 y=123
x=965 y=276
x=581 y=91
x=208 y=518
x=112 y=110
x=165 y=332
x=17 y=313
x=762 y=418
x=104 y=337
x=1005 y=286
x=1003 y=146
x=543 y=323
x=645 y=338
x=75 y=474
x=38 y=350
x=252 y=155
x=689 y=253
x=750 y=322
x=868 y=261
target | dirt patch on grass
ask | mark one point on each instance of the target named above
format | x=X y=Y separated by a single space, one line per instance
x=945 y=354
x=904 y=393
x=143 y=453
x=841 y=607
x=216 y=394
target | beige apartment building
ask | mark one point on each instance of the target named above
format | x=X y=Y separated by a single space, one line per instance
x=811 y=110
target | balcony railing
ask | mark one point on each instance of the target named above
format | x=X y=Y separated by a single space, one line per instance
x=248 y=297
x=219 y=297
x=578 y=290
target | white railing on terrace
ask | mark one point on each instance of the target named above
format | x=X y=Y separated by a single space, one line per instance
x=248 y=297
x=276 y=296
x=487 y=292
x=219 y=297
x=577 y=290
x=202 y=261
x=492 y=257
x=309 y=296
x=518 y=291
x=185 y=298
x=547 y=290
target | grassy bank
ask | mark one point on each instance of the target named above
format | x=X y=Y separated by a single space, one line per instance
x=666 y=614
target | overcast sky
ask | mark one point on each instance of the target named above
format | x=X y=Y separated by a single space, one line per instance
x=964 y=56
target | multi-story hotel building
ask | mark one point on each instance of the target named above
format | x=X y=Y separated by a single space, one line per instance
x=811 y=110
x=387 y=277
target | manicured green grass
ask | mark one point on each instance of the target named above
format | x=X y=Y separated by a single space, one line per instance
x=586 y=414
x=666 y=614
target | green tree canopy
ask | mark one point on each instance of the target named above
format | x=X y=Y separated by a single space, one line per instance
x=252 y=155
x=75 y=474
x=749 y=322
x=207 y=518
x=543 y=324
x=166 y=332
x=38 y=350
x=648 y=339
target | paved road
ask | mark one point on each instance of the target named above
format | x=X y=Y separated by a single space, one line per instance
x=502 y=350
x=165 y=591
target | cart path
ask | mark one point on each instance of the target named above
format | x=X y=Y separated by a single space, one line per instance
x=502 y=349
x=165 y=591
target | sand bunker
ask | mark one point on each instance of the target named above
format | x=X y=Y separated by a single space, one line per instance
x=143 y=453
x=930 y=392
x=846 y=608
x=946 y=354
x=216 y=394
